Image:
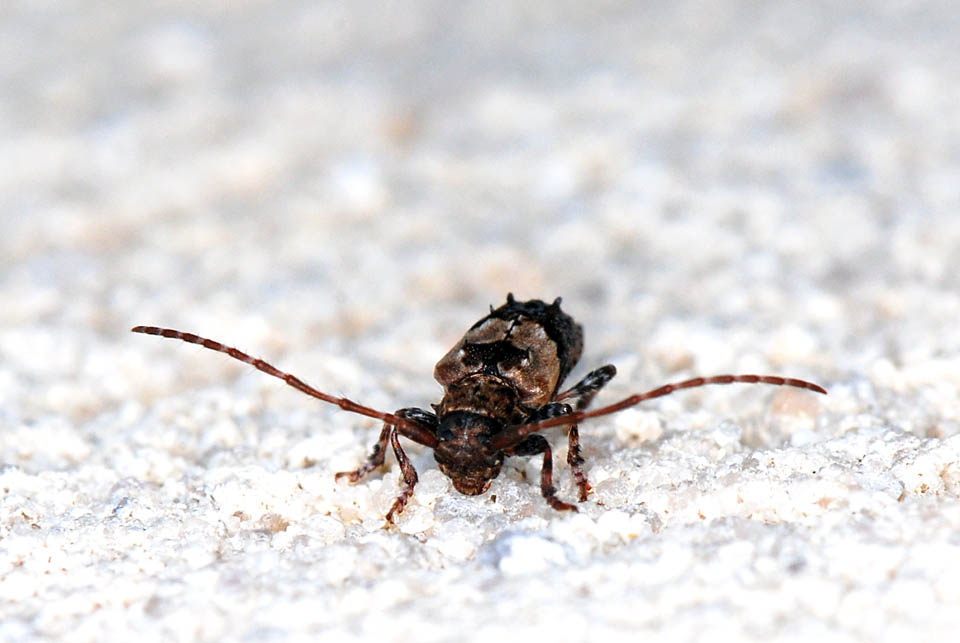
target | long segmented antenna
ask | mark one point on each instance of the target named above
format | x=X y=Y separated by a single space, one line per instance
x=515 y=434
x=407 y=429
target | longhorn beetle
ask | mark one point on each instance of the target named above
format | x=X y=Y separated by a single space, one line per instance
x=501 y=387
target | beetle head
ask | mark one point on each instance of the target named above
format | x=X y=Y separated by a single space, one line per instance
x=463 y=451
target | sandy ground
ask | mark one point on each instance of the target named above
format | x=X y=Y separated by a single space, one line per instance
x=344 y=188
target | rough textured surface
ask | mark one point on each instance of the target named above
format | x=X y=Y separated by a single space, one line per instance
x=344 y=188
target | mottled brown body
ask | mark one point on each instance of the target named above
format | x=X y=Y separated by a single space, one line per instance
x=529 y=346
x=501 y=386
x=502 y=373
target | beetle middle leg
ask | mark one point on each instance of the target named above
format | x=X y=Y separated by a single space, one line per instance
x=534 y=445
x=584 y=390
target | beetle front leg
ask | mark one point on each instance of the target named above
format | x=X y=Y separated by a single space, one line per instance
x=409 y=477
x=419 y=417
x=534 y=445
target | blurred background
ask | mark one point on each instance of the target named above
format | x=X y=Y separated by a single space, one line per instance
x=327 y=167
x=346 y=186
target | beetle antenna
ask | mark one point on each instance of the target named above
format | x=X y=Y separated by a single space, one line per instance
x=515 y=434
x=409 y=429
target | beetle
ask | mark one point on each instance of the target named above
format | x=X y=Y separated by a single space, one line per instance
x=501 y=387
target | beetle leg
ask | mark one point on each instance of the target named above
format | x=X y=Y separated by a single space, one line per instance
x=589 y=386
x=574 y=459
x=534 y=445
x=409 y=477
x=421 y=418
x=586 y=389
x=375 y=459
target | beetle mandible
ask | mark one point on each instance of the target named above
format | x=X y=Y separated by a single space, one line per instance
x=501 y=387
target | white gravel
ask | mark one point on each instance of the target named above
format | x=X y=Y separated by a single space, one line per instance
x=343 y=188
